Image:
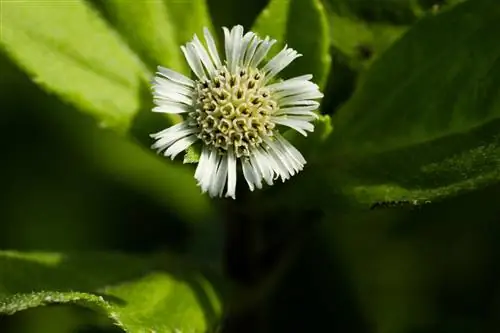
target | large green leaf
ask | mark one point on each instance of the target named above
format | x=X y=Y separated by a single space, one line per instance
x=147 y=27
x=189 y=17
x=362 y=42
x=303 y=25
x=400 y=12
x=157 y=29
x=67 y=49
x=139 y=294
x=362 y=30
x=425 y=121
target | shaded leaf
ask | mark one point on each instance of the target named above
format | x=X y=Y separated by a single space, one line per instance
x=361 y=42
x=139 y=294
x=424 y=122
x=67 y=49
x=303 y=25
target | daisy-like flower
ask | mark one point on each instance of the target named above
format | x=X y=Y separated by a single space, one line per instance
x=236 y=108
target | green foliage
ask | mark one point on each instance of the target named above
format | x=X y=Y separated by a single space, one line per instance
x=307 y=32
x=147 y=27
x=139 y=294
x=417 y=117
x=362 y=42
x=85 y=63
x=188 y=17
x=423 y=122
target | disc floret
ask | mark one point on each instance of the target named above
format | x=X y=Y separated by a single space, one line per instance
x=233 y=110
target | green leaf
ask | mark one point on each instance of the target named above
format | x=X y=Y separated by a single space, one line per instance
x=148 y=28
x=425 y=121
x=139 y=294
x=362 y=42
x=189 y=17
x=396 y=12
x=362 y=30
x=310 y=146
x=192 y=155
x=303 y=25
x=170 y=184
x=67 y=49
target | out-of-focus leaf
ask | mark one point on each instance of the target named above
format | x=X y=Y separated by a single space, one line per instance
x=230 y=13
x=303 y=25
x=310 y=146
x=394 y=12
x=362 y=42
x=425 y=121
x=66 y=48
x=362 y=30
x=154 y=294
x=149 y=29
x=188 y=17
x=168 y=183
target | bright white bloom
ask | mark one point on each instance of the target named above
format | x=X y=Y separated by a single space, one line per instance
x=235 y=108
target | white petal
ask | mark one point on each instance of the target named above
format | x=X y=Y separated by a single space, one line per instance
x=286 y=155
x=212 y=49
x=205 y=154
x=170 y=107
x=262 y=51
x=161 y=84
x=276 y=164
x=174 y=76
x=280 y=61
x=298 y=125
x=291 y=149
x=170 y=138
x=193 y=61
x=292 y=87
x=285 y=161
x=249 y=36
x=163 y=96
x=306 y=77
x=294 y=91
x=303 y=117
x=209 y=169
x=180 y=145
x=227 y=43
x=300 y=98
x=287 y=84
x=237 y=39
x=301 y=103
x=263 y=169
x=219 y=179
x=252 y=46
x=306 y=110
x=171 y=129
x=203 y=55
x=251 y=175
x=231 y=171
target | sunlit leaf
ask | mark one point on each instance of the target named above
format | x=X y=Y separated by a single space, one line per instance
x=188 y=17
x=67 y=49
x=147 y=26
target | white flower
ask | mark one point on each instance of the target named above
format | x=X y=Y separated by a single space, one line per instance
x=235 y=108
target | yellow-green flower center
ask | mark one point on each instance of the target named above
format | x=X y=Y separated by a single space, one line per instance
x=233 y=110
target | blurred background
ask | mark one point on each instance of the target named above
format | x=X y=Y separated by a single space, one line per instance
x=434 y=269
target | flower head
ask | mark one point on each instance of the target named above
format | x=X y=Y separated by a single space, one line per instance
x=236 y=108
